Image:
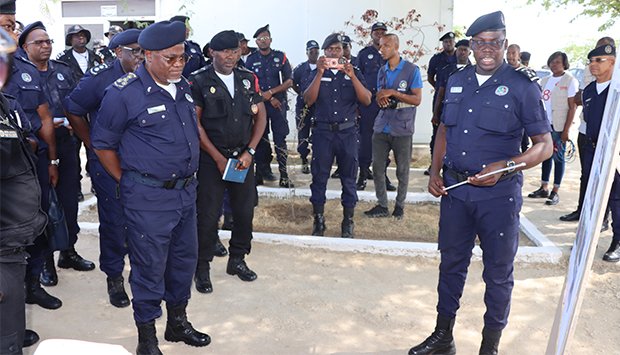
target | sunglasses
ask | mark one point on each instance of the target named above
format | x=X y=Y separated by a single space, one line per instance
x=184 y=58
x=134 y=51
x=597 y=60
x=479 y=44
x=263 y=39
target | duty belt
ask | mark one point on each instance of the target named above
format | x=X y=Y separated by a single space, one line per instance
x=176 y=184
x=334 y=127
x=460 y=177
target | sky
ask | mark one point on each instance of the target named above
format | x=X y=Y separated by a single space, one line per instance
x=536 y=30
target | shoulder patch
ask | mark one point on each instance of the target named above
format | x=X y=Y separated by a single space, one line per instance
x=123 y=81
x=528 y=73
x=98 y=69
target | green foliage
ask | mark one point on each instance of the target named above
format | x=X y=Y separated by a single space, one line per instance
x=609 y=9
x=578 y=53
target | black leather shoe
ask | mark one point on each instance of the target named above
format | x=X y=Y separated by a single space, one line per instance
x=30 y=338
x=571 y=217
x=49 y=277
x=70 y=259
x=490 y=342
x=336 y=174
x=178 y=328
x=202 y=279
x=613 y=253
x=377 y=212
x=318 y=226
x=147 y=340
x=388 y=184
x=305 y=167
x=286 y=183
x=540 y=193
x=268 y=176
x=439 y=342
x=220 y=249
x=360 y=185
x=398 y=212
x=116 y=292
x=35 y=294
x=237 y=266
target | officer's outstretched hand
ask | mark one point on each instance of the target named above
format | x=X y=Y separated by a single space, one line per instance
x=348 y=69
x=245 y=161
x=321 y=64
x=435 y=185
x=489 y=180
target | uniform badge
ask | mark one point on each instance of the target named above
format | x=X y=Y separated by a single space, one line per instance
x=608 y=49
x=212 y=90
x=189 y=97
x=26 y=77
x=254 y=108
x=501 y=90
x=60 y=77
x=276 y=59
x=246 y=83
x=193 y=50
x=370 y=56
x=402 y=84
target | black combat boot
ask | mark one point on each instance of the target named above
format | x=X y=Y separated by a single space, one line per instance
x=490 y=341
x=116 y=292
x=227 y=225
x=346 y=228
x=178 y=328
x=440 y=341
x=203 y=278
x=35 y=294
x=360 y=185
x=70 y=259
x=30 y=338
x=49 y=277
x=318 y=227
x=305 y=167
x=147 y=340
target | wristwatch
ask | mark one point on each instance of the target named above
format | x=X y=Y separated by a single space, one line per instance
x=55 y=162
x=510 y=164
x=251 y=151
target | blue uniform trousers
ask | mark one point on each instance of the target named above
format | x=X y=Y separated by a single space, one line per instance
x=276 y=120
x=496 y=223
x=112 y=238
x=325 y=146
x=40 y=249
x=68 y=182
x=366 y=123
x=303 y=119
x=163 y=249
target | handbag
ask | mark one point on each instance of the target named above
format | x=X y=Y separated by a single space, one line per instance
x=57 y=232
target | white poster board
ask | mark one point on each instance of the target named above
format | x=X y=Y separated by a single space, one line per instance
x=582 y=255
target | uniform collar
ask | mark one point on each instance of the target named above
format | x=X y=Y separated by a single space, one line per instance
x=400 y=65
x=148 y=83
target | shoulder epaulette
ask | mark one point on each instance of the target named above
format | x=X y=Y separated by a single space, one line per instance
x=198 y=71
x=123 y=81
x=528 y=73
x=98 y=69
x=61 y=54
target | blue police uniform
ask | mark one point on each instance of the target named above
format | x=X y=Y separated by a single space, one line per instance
x=303 y=113
x=334 y=132
x=84 y=101
x=438 y=62
x=369 y=60
x=272 y=70
x=196 y=59
x=484 y=124
x=156 y=137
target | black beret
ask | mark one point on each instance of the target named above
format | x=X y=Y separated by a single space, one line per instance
x=489 y=22
x=113 y=30
x=76 y=29
x=379 y=26
x=179 y=18
x=261 y=30
x=448 y=35
x=124 y=38
x=7 y=7
x=162 y=35
x=31 y=27
x=241 y=37
x=346 y=39
x=606 y=49
x=525 y=56
x=463 y=42
x=312 y=44
x=331 y=39
x=224 y=40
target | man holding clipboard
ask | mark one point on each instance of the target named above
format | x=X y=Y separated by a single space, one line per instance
x=231 y=122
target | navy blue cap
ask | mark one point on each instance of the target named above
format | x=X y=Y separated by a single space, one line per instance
x=124 y=38
x=525 y=56
x=606 y=49
x=379 y=26
x=312 y=44
x=261 y=30
x=241 y=37
x=162 y=35
x=346 y=39
x=331 y=39
x=7 y=7
x=224 y=40
x=489 y=22
x=448 y=35
x=76 y=29
x=179 y=18
x=463 y=42
x=31 y=27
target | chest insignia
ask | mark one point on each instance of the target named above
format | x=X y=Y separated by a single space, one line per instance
x=246 y=84
x=155 y=109
x=26 y=77
x=370 y=56
x=212 y=90
x=501 y=90
x=193 y=50
x=402 y=84
x=276 y=59
x=60 y=77
x=189 y=97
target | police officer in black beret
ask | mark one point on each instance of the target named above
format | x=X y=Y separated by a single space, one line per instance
x=192 y=49
x=232 y=120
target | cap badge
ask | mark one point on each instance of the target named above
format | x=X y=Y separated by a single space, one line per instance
x=608 y=49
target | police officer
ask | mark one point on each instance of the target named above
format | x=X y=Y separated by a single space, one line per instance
x=337 y=92
x=105 y=52
x=245 y=49
x=146 y=137
x=602 y=61
x=303 y=113
x=195 y=58
x=346 y=50
x=84 y=101
x=274 y=74
x=437 y=62
x=78 y=57
x=490 y=104
x=369 y=60
x=462 y=60
x=399 y=92
x=232 y=121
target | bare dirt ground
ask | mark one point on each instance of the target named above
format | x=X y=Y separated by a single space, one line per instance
x=316 y=301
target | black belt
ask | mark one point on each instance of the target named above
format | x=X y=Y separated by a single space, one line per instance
x=176 y=184
x=231 y=153
x=460 y=177
x=334 y=127
x=12 y=251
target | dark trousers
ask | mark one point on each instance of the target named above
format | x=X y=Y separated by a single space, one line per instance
x=112 y=237
x=382 y=143
x=68 y=183
x=39 y=251
x=366 y=123
x=496 y=223
x=163 y=249
x=325 y=146
x=303 y=120
x=210 y=194
x=276 y=121
x=12 y=307
x=556 y=159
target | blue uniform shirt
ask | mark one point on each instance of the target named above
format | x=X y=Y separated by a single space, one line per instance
x=337 y=101
x=437 y=62
x=593 y=109
x=154 y=134
x=272 y=70
x=369 y=60
x=301 y=73
x=57 y=82
x=484 y=124
x=196 y=59
x=25 y=86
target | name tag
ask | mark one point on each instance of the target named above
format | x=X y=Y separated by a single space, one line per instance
x=155 y=109
x=8 y=134
x=326 y=79
x=456 y=89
